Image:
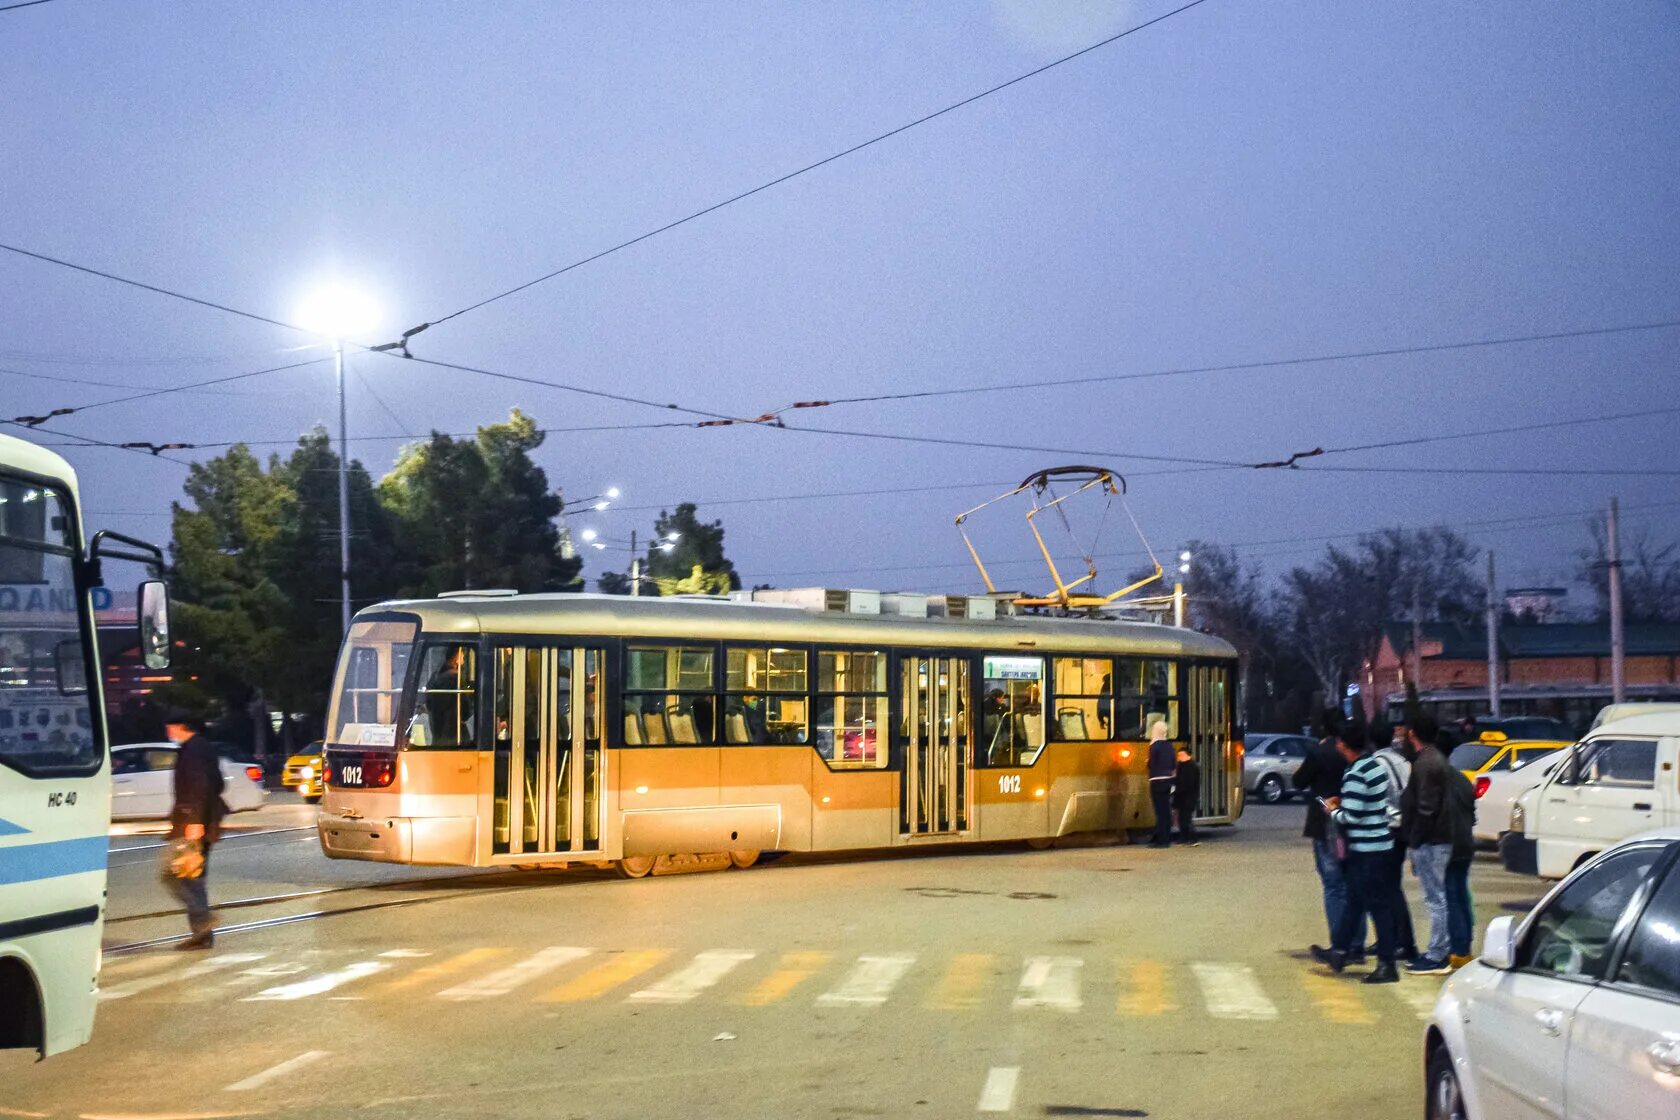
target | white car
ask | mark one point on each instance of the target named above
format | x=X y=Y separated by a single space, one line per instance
x=1576 y=1011
x=1497 y=791
x=143 y=782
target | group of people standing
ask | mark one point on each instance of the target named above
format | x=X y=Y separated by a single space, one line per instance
x=1378 y=794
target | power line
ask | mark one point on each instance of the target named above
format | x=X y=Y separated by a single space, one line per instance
x=600 y=393
x=1272 y=363
x=368 y=385
x=939 y=440
x=779 y=180
x=24 y=4
x=32 y=421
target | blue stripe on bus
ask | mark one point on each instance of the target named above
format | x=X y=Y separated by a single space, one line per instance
x=26 y=863
x=7 y=828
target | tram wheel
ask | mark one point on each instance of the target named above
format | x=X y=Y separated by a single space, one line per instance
x=1041 y=843
x=637 y=867
x=744 y=860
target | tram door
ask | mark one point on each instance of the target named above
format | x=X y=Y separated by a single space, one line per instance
x=548 y=757
x=938 y=765
x=1208 y=729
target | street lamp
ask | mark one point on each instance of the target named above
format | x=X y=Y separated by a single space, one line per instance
x=1178 y=588
x=337 y=311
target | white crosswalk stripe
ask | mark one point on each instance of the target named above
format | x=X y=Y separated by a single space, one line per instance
x=505 y=980
x=192 y=972
x=869 y=983
x=1051 y=982
x=1232 y=991
x=325 y=982
x=705 y=970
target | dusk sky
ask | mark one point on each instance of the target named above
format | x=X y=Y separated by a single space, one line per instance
x=1242 y=182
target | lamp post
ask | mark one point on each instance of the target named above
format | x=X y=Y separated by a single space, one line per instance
x=336 y=310
x=1178 y=588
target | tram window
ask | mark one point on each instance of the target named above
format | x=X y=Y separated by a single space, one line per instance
x=1084 y=699
x=370 y=676
x=668 y=696
x=446 y=700
x=1147 y=694
x=764 y=699
x=1011 y=710
x=851 y=709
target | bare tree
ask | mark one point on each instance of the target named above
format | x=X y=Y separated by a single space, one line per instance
x=1650 y=576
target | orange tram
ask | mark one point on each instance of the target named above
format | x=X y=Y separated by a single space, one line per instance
x=652 y=734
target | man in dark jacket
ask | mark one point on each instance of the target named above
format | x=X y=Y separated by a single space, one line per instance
x=1461 y=914
x=1187 y=790
x=1427 y=827
x=197 y=820
x=1320 y=776
x=1163 y=765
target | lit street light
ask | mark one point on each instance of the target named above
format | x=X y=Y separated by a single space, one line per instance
x=337 y=311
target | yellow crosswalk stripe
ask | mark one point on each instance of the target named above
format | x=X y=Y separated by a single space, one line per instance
x=440 y=970
x=1338 y=999
x=959 y=989
x=606 y=976
x=1145 y=990
x=795 y=969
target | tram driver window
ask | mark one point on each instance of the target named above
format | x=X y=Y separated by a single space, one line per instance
x=446 y=700
x=1011 y=710
x=851 y=709
x=764 y=696
x=668 y=696
x=1084 y=699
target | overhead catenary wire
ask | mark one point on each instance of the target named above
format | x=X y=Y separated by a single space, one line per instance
x=806 y=169
x=22 y=4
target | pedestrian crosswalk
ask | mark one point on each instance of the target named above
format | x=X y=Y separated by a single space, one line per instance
x=1255 y=991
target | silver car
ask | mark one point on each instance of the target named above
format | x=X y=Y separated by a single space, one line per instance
x=1269 y=763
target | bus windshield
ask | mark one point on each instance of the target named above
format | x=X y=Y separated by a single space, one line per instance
x=46 y=718
x=368 y=685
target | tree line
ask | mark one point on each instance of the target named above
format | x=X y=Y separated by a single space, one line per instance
x=255 y=553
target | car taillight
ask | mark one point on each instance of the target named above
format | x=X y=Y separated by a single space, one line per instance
x=1482 y=784
x=254 y=773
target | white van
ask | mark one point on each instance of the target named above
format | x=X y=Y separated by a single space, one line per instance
x=1621 y=780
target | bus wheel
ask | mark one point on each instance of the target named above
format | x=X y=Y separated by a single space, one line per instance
x=744 y=860
x=637 y=867
x=1041 y=843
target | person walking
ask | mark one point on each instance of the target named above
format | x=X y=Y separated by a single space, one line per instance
x=1397 y=769
x=1320 y=777
x=195 y=824
x=1361 y=812
x=1427 y=827
x=1461 y=912
x=1163 y=765
x=1187 y=790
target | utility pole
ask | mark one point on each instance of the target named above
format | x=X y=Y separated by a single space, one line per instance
x=1417 y=638
x=1618 y=675
x=1492 y=640
x=343 y=492
x=635 y=566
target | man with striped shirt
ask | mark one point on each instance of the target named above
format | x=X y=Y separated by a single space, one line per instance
x=1361 y=812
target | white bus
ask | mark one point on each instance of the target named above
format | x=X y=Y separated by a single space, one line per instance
x=55 y=774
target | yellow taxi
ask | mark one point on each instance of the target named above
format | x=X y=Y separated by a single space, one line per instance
x=1494 y=750
x=303 y=773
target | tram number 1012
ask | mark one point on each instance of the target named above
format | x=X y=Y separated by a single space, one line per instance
x=1009 y=783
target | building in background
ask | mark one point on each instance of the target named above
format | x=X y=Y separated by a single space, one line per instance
x=1536 y=604
x=1558 y=669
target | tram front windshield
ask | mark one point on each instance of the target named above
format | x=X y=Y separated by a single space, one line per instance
x=367 y=689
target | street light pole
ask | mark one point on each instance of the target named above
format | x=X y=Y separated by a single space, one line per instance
x=343 y=491
x=635 y=566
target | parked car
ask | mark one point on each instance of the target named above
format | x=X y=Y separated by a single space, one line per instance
x=1493 y=751
x=1604 y=791
x=143 y=782
x=1269 y=762
x=1576 y=1010
x=303 y=772
x=1497 y=793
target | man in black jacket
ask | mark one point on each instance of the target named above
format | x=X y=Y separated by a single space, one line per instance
x=1426 y=823
x=1320 y=776
x=196 y=819
x=1163 y=766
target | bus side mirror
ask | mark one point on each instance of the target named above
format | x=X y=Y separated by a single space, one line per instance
x=154 y=624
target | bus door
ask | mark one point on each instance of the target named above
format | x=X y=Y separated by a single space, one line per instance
x=549 y=765
x=938 y=763
x=1208 y=730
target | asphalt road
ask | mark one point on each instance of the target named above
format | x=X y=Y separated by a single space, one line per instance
x=1085 y=981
